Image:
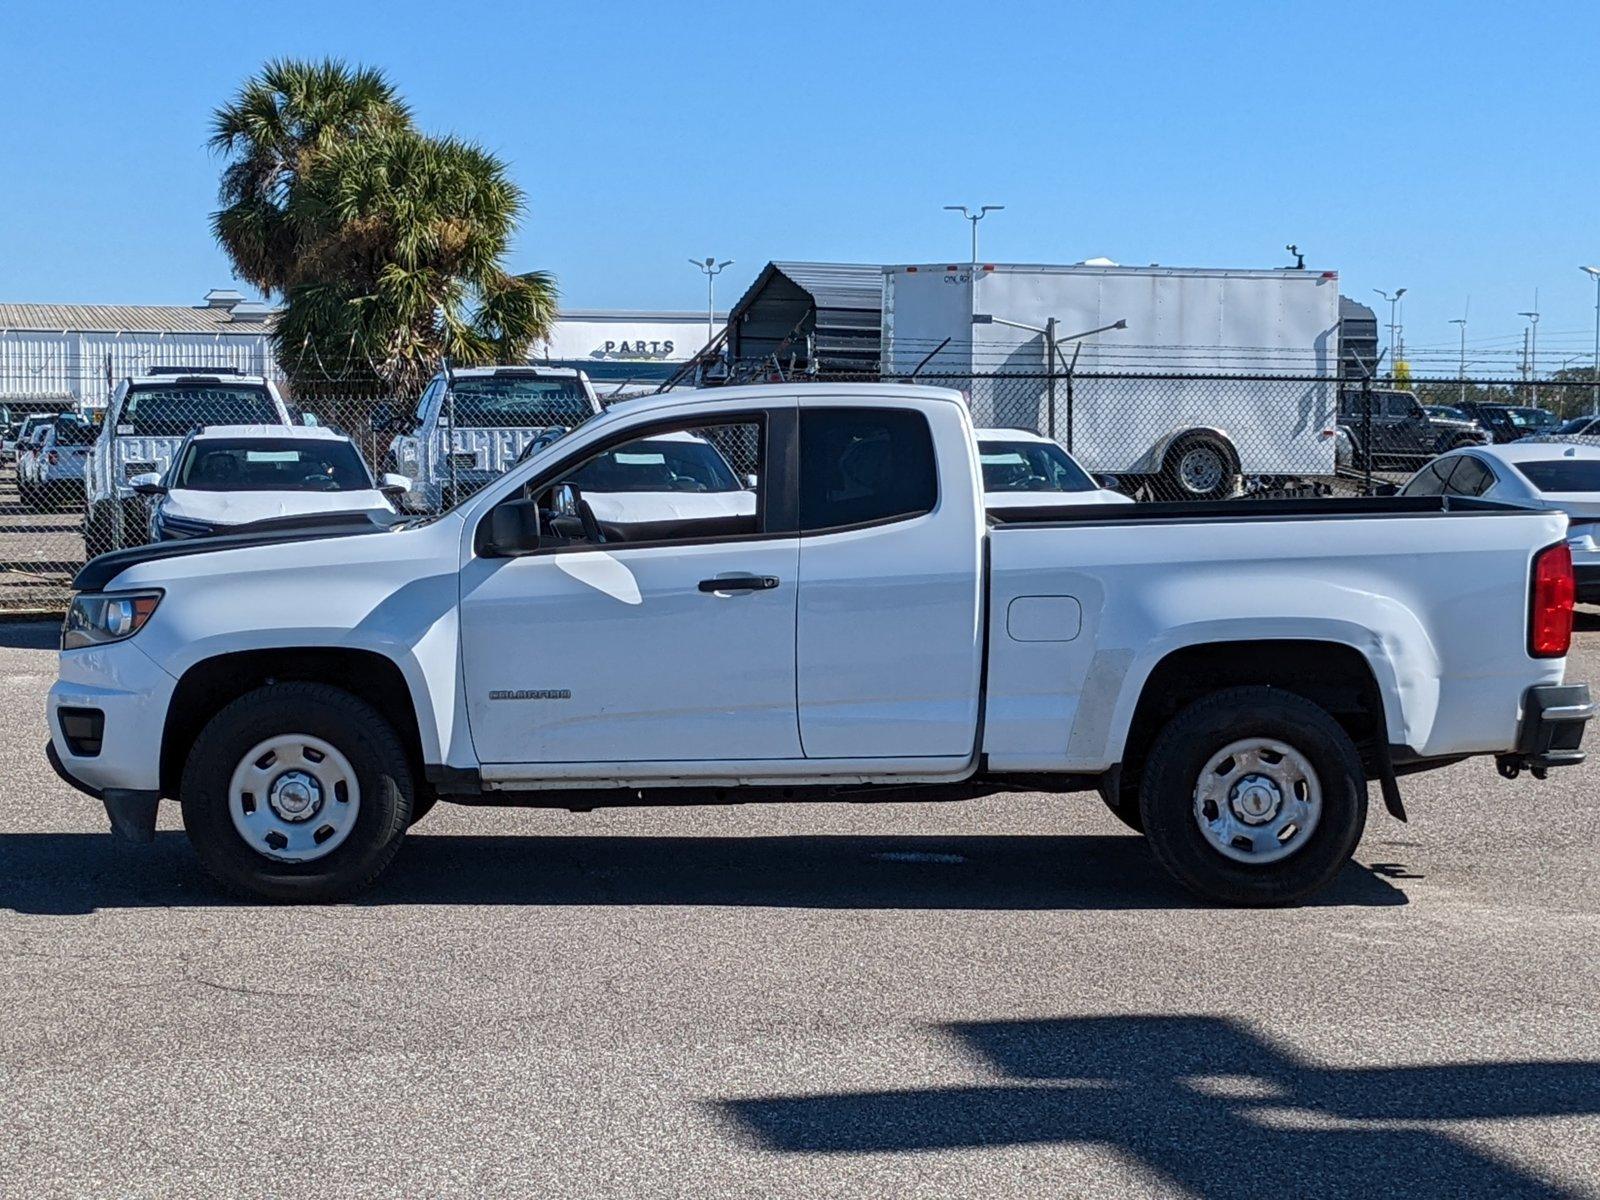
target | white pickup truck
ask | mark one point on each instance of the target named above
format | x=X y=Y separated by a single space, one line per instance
x=1229 y=676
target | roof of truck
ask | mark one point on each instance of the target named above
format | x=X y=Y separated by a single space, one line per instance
x=307 y=433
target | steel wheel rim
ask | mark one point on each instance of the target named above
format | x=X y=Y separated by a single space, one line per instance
x=1201 y=469
x=294 y=798
x=1257 y=801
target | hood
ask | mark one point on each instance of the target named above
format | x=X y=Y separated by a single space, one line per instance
x=242 y=508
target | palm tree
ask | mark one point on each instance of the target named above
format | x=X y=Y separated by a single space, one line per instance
x=386 y=245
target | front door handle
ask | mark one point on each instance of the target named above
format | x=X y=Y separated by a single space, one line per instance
x=739 y=583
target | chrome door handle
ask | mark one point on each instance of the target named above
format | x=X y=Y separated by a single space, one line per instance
x=739 y=583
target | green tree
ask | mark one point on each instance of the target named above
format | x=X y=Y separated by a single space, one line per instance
x=385 y=245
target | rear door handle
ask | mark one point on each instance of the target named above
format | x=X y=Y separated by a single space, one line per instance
x=739 y=583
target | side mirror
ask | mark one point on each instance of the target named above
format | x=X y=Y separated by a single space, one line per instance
x=565 y=500
x=750 y=481
x=1109 y=482
x=394 y=485
x=382 y=418
x=148 y=484
x=513 y=529
x=310 y=419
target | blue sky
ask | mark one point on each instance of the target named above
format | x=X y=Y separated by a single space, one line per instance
x=1445 y=148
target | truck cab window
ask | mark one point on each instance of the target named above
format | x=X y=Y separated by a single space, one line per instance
x=671 y=485
x=864 y=466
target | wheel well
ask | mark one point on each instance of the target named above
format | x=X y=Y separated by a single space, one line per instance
x=1333 y=676
x=210 y=685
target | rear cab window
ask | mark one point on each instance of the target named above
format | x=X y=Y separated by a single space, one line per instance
x=864 y=466
x=172 y=410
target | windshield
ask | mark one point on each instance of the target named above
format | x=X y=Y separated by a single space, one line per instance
x=658 y=465
x=1031 y=467
x=74 y=431
x=1562 y=474
x=1530 y=418
x=272 y=465
x=174 y=410
x=502 y=401
x=1447 y=413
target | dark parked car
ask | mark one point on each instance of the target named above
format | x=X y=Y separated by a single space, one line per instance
x=1403 y=434
x=1511 y=422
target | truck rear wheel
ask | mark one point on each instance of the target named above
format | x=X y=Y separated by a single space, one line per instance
x=297 y=792
x=1253 y=796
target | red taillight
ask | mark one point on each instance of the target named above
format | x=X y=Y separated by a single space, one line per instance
x=54 y=458
x=1550 y=613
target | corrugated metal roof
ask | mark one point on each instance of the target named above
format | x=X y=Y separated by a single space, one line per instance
x=831 y=285
x=125 y=318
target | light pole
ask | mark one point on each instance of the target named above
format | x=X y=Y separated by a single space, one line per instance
x=1394 y=325
x=1052 y=344
x=712 y=269
x=1533 y=345
x=1594 y=396
x=974 y=217
x=1461 y=372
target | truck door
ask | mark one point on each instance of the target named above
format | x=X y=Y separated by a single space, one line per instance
x=670 y=638
x=888 y=642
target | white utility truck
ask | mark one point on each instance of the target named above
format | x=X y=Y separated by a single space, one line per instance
x=146 y=420
x=1235 y=369
x=471 y=423
x=1228 y=676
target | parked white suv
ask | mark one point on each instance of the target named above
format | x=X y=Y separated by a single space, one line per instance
x=146 y=420
x=470 y=425
x=226 y=476
x=51 y=473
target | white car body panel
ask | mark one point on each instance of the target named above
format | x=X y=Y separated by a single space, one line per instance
x=879 y=674
x=241 y=508
x=1009 y=501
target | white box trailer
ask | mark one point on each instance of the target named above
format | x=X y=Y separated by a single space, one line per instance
x=1199 y=377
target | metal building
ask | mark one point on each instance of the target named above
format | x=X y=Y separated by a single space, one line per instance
x=57 y=356
x=808 y=318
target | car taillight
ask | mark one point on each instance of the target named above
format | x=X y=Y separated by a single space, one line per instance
x=55 y=458
x=1550 y=612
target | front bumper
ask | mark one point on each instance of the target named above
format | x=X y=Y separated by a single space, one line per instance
x=125 y=684
x=1553 y=720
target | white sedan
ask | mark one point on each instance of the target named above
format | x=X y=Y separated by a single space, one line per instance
x=1536 y=474
x=226 y=476
x=1025 y=470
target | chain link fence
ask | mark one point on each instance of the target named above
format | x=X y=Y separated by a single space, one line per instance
x=75 y=481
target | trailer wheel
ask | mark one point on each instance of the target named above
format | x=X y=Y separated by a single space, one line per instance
x=1200 y=467
x=1253 y=796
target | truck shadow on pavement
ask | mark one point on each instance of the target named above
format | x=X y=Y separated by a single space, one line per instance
x=1207 y=1103
x=80 y=872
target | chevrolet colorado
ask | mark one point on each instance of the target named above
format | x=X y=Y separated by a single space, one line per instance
x=1229 y=676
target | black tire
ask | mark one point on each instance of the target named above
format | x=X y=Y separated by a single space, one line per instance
x=351 y=726
x=1180 y=753
x=97 y=531
x=1181 y=481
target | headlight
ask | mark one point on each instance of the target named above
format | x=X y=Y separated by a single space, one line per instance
x=96 y=618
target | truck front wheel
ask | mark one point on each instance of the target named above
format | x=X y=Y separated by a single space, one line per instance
x=1253 y=796
x=297 y=792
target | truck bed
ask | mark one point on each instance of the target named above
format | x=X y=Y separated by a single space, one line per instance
x=1193 y=512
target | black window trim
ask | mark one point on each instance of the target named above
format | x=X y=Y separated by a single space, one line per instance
x=775 y=499
x=933 y=447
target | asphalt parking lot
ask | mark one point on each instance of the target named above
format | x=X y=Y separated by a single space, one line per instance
x=1000 y=998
